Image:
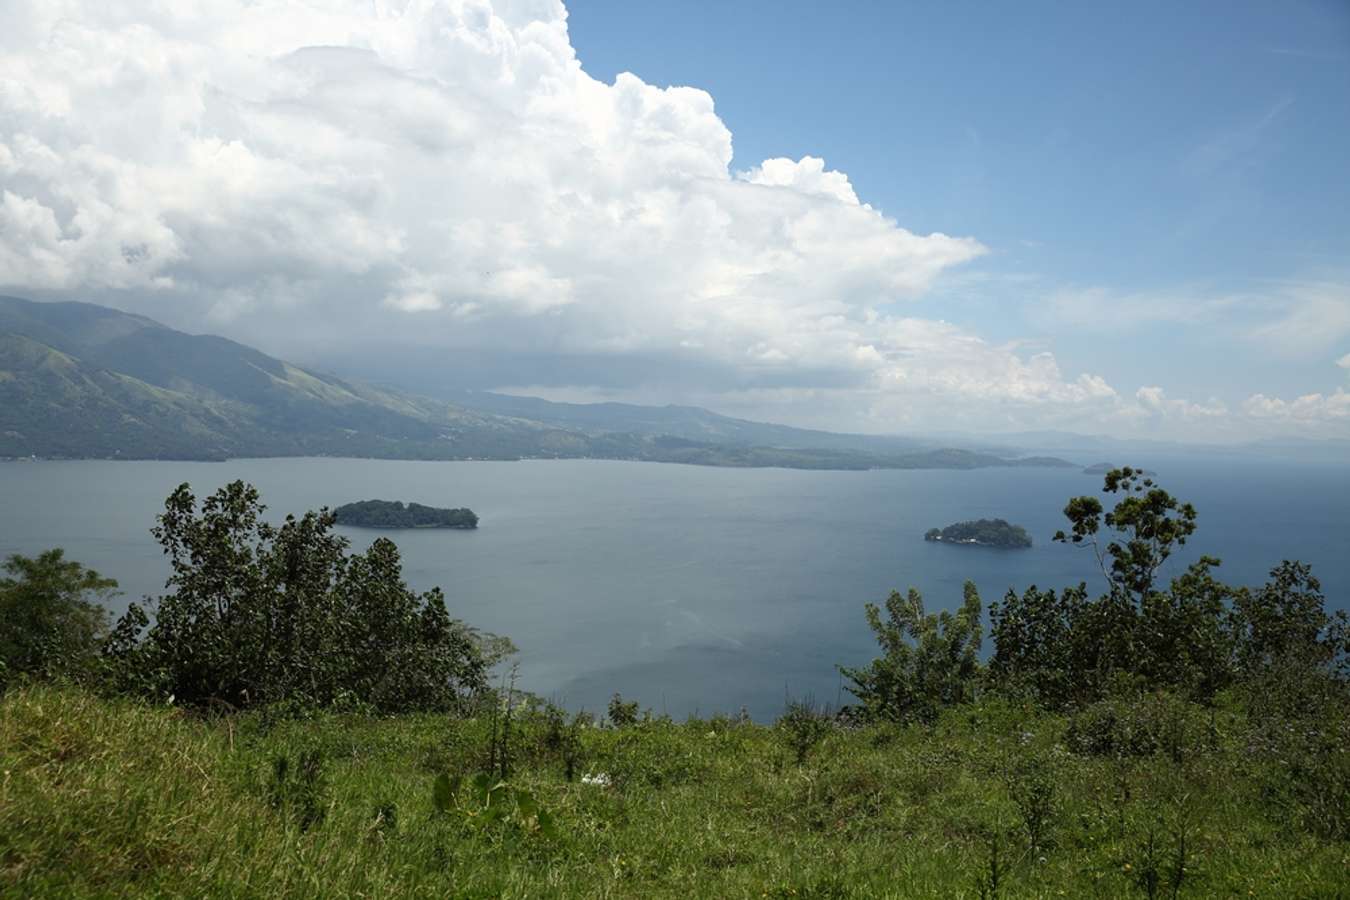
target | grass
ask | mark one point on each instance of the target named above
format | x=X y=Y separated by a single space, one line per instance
x=102 y=798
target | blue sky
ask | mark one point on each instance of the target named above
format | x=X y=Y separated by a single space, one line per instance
x=1122 y=218
x=1191 y=150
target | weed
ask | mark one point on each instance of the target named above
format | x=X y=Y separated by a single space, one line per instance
x=562 y=739
x=1162 y=860
x=299 y=791
x=385 y=818
x=484 y=803
x=1031 y=782
x=990 y=881
x=803 y=726
x=622 y=714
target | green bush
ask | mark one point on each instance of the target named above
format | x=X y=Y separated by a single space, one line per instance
x=929 y=660
x=259 y=614
x=1032 y=783
x=622 y=713
x=52 y=618
x=1283 y=626
x=1195 y=637
x=1139 y=724
x=803 y=725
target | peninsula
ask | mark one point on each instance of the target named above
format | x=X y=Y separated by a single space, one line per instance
x=982 y=532
x=396 y=514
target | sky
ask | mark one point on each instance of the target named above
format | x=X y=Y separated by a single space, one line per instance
x=1130 y=219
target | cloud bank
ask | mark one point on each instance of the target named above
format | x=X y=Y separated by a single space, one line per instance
x=442 y=174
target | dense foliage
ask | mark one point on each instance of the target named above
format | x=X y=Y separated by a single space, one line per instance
x=52 y=617
x=929 y=659
x=1066 y=649
x=986 y=532
x=258 y=614
x=395 y=514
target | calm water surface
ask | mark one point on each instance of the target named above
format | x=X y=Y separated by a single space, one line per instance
x=688 y=588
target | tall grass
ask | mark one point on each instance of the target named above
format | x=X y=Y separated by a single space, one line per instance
x=108 y=798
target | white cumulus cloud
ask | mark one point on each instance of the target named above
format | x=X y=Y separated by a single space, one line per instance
x=1153 y=401
x=444 y=174
x=1315 y=410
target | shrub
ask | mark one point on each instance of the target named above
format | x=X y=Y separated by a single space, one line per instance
x=803 y=726
x=622 y=714
x=929 y=660
x=562 y=738
x=651 y=757
x=1031 y=785
x=1196 y=637
x=52 y=619
x=1284 y=626
x=259 y=614
x=1045 y=646
x=1299 y=727
x=486 y=803
x=1135 y=724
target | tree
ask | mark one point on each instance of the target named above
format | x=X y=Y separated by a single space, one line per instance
x=1284 y=624
x=1044 y=645
x=1150 y=522
x=929 y=660
x=1184 y=641
x=1067 y=649
x=1196 y=636
x=257 y=614
x=52 y=617
x=1172 y=638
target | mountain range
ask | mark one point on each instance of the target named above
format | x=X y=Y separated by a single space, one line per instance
x=79 y=381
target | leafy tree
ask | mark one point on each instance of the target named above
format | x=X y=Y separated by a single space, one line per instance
x=258 y=614
x=1045 y=646
x=52 y=616
x=1151 y=524
x=1168 y=638
x=1067 y=649
x=1284 y=623
x=1183 y=638
x=929 y=660
x=1195 y=636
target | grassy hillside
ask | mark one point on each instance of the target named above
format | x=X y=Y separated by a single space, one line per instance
x=111 y=798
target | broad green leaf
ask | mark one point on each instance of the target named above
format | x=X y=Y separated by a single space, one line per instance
x=443 y=793
x=526 y=804
x=546 y=826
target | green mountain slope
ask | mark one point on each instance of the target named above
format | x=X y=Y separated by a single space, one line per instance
x=687 y=422
x=78 y=380
x=56 y=405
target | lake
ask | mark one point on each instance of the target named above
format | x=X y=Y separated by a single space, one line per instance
x=690 y=588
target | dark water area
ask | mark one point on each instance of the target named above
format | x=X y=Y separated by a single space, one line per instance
x=691 y=588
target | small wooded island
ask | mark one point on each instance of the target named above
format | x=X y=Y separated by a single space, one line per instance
x=396 y=514
x=982 y=532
